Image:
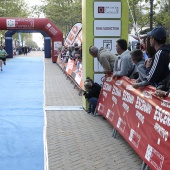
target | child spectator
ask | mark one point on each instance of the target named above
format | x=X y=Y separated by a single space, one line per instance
x=137 y=58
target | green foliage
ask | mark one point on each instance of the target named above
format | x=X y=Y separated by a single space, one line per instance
x=14 y=8
x=63 y=13
x=143 y=19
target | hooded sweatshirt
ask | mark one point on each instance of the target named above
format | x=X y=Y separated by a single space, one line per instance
x=106 y=59
x=159 y=67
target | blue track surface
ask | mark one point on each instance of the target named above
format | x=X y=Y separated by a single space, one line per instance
x=21 y=114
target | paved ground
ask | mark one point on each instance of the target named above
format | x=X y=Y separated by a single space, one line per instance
x=75 y=139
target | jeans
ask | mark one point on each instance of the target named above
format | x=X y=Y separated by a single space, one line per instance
x=92 y=104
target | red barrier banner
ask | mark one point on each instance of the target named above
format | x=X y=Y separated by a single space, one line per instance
x=70 y=66
x=79 y=76
x=142 y=118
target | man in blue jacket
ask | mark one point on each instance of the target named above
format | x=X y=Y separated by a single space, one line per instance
x=158 y=69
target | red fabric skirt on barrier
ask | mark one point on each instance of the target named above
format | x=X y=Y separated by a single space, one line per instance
x=140 y=117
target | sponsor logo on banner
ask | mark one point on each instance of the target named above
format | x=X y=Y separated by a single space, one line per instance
x=134 y=138
x=130 y=87
x=104 y=94
x=114 y=99
x=154 y=157
x=51 y=29
x=162 y=116
x=110 y=115
x=107 y=27
x=101 y=108
x=128 y=97
x=107 y=87
x=57 y=45
x=121 y=124
x=73 y=34
x=107 y=9
x=79 y=38
x=70 y=65
x=143 y=105
x=165 y=103
x=109 y=79
x=161 y=131
x=126 y=107
x=116 y=91
x=146 y=94
x=140 y=116
x=119 y=82
x=20 y=23
x=107 y=43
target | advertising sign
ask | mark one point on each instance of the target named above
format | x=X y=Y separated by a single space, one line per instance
x=107 y=28
x=107 y=9
x=107 y=43
x=20 y=23
x=73 y=34
x=142 y=118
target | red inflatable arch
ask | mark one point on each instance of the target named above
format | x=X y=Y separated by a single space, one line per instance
x=43 y=24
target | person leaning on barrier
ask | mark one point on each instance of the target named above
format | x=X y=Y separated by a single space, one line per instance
x=91 y=93
x=105 y=58
x=137 y=58
x=123 y=65
x=158 y=70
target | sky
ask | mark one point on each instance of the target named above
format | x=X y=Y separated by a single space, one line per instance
x=37 y=37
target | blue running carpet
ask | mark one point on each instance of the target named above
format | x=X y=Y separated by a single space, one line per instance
x=21 y=114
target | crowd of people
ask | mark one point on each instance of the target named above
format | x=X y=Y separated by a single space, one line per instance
x=147 y=64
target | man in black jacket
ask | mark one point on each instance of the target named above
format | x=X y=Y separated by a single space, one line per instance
x=158 y=69
x=91 y=93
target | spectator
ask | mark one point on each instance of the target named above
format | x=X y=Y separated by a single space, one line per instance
x=105 y=58
x=91 y=93
x=78 y=62
x=68 y=54
x=25 y=50
x=137 y=46
x=3 y=55
x=158 y=70
x=149 y=49
x=123 y=64
x=137 y=58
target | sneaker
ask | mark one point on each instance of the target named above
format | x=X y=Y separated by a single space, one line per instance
x=88 y=111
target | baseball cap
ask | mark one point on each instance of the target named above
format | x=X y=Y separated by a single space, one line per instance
x=158 y=33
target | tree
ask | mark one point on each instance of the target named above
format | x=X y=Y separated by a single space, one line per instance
x=63 y=13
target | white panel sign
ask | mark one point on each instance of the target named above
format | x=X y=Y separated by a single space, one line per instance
x=107 y=43
x=97 y=66
x=107 y=9
x=57 y=45
x=98 y=78
x=107 y=28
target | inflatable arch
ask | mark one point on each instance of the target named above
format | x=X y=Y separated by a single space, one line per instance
x=47 y=41
x=42 y=25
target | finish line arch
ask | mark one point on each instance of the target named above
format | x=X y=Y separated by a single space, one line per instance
x=10 y=33
x=41 y=24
